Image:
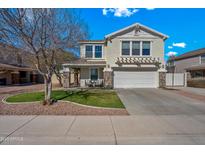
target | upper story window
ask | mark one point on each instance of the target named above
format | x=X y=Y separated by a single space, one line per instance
x=88 y=51
x=93 y=51
x=136 y=48
x=203 y=59
x=98 y=51
x=146 y=48
x=125 y=47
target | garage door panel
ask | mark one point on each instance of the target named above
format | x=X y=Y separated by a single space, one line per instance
x=126 y=79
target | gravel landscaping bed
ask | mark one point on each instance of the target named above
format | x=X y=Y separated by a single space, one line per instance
x=59 y=108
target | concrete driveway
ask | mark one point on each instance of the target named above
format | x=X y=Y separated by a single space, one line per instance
x=159 y=102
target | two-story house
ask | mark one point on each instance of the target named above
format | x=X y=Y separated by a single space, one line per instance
x=193 y=63
x=131 y=57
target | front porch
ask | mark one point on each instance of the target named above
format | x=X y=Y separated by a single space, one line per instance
x=86 y=77
x=85 y=73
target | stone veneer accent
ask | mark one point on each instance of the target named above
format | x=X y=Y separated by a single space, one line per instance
x=108 y=78
x=162 y=79
x=188 y=75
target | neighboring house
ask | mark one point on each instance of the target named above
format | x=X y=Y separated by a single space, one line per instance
x=193 y=63
x=14 y=69
x=131 y=57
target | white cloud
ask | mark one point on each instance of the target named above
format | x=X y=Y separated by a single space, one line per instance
x=181 y=45
x=170 y=47
x=150 y=9
x=104 y=11
x=172 y=53
x=120 y=12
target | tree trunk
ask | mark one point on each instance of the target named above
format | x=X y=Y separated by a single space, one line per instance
x=48 y=89
x=59 y=77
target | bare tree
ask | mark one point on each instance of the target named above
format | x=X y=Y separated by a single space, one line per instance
x=61 y=58
x=42 y=32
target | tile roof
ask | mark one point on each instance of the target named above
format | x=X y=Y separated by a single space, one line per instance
x=13 y=67
x=84 y=62
x=91 y=41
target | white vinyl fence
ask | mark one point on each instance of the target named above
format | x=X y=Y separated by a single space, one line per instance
x=175 y=79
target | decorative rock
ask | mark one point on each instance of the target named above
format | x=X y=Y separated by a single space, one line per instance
x=108 y=78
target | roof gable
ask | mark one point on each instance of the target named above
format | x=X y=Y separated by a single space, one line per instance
x=135 y=29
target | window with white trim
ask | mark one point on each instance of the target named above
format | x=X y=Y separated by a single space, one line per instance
x=136 y=48
x=125 y=48
x=145 y=48
x=98 y=51
x=88 y=51
x=93 y=51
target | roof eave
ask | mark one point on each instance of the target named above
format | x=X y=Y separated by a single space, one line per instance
x=91 y=42
x=164 y=37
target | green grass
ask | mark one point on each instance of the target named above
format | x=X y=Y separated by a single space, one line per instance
x=93 y=97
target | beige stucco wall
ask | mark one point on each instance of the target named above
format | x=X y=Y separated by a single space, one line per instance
x=113 y=48
x=56 y=82
x=84 y=73
x=180 y=65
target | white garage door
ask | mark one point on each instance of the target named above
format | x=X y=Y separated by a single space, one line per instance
x=133 y=79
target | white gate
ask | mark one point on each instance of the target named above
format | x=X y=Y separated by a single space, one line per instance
x=175 y=79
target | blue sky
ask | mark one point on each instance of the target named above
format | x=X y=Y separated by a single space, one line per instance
x=185 y=27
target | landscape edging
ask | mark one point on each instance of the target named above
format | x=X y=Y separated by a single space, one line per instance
x=95 y=107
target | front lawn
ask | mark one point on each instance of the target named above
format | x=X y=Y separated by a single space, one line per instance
x=92 y=97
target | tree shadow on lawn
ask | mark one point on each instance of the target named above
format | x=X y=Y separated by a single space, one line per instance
x=85 y=94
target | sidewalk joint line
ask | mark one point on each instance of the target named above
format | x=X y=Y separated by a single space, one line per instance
x=18 y=128
x=70 y=126
x=113 y=130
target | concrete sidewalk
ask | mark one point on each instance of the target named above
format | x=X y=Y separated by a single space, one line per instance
x=141 y=129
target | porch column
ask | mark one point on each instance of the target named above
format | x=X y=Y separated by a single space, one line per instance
x=108 y=77
x=162 y=78
x=66 y=77
x=76 y=81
